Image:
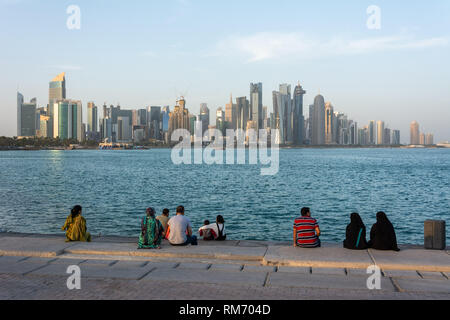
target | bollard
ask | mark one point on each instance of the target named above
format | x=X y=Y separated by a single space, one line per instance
x=435 y=237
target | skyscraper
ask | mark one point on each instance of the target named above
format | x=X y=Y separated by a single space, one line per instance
x=220 y=120
x=243 y=114
x=256 y=104
x=395 y=137
x=179 y=118
x=92 y=124
x=26 y=117
x=67 y=120
x=299 y=119
x=429 y=139
x=318 y=124
x=57 y=90
x=231 y=114
x=204 y=117
x=380 y=132
x=415 y=133
x=329 y=120
x=372 y=132
x=282 y=113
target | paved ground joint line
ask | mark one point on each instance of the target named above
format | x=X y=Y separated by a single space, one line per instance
x=147 y=273
x=38 y=268
x=266 y=280
x=396 y=285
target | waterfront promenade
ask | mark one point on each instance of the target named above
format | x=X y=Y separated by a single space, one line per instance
x=34 y=267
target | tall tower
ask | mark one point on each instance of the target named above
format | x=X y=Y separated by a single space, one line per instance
x=318 y=132
x=204 y=117
x=415 y=133
x=26 y=117
x=380 y=132
x=92 y=125
x=299 y=119
x=372 y=132
x=256 y=104
x=329 y=120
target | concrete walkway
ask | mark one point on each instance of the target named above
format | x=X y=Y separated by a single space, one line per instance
x=273 y=270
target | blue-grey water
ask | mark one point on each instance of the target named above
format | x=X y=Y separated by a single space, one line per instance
x=38 y=188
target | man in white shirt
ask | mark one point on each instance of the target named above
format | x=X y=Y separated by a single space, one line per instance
x=180 y=230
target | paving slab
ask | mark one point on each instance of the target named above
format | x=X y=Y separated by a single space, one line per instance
x=424 y=285
x=19 y=267
x=162 y=265
x=412 y=259
x=298 y=280
x=432 y=275
x=191 y=265
x=96 y=272
x=33 y=246
x=334 y=271
x=208 y=277
x=39 y=260
x=12 y=259
x=405 y=274
x=303 y=270
x=199 y=252
x=325 y=257
x=250 y=268
x=226 y=267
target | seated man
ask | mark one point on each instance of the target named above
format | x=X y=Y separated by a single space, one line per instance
x=164 y=218
x=306 y=231
x=179 y=231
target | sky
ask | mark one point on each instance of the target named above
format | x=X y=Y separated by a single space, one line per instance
x=144 y=53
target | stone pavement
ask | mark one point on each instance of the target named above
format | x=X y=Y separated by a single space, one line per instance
x=35 y=267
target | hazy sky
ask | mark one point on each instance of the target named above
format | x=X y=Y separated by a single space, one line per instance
x=141 y=53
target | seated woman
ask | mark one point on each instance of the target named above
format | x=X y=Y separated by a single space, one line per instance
x=206 y=232
x=382 y=235
x=356 y=234
x=75 y=226
x=217 y=230
x=151 y=231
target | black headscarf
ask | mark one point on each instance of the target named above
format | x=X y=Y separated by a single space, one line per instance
x=382 y=235
x=356 y=229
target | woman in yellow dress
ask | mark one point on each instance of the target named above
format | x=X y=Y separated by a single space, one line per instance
x=75 y=226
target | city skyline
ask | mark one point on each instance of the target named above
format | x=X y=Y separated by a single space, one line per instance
x=369 y=74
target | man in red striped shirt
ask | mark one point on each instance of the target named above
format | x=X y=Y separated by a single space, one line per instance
x=306 y=231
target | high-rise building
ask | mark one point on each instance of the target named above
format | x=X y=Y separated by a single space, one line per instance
x=67 y=120
x=220 y=121
x=387 y=136
x=155 y=122
x=179 y=118
x=256 y=104
x=318 y=123
x=44 y=121
x=329 y=121
x=372 y=133
x=57 y=91
x=165 y=118
x=353 y=133
x=282 y=108
x=429 y=139
x=92 y=123
x=123 y=129
x=299 y=119
x=243 y=113
x=415 y=133
x=231 y=114
x=395 y=137
x=26 y=117
x=204 y=117
x=380 y=132
x=422 y=139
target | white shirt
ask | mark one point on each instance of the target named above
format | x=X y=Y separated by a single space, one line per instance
x=178 y=227
x=214 y=228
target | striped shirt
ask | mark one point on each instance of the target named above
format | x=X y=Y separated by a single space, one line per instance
x=305 y=227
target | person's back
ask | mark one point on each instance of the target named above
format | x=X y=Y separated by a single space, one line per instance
x=306 y=231
x=355 y=237
x=382 y=234
x=75 y=226
x=164 y=219
x=180 y=229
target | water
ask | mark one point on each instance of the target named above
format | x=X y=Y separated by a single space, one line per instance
x=37 y=190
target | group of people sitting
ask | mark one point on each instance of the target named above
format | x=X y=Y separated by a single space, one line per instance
x=178 y=230
x=382 y=234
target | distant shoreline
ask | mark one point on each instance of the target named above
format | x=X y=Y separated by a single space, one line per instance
x=281 y=147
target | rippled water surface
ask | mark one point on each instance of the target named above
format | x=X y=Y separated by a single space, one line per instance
x=37 y=190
